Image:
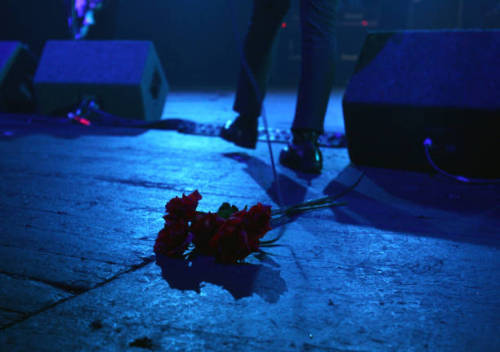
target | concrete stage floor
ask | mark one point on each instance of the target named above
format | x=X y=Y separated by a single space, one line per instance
x=411 y=263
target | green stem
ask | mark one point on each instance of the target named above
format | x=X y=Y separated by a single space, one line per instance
x=320 y=201
x=296 y=211
x=314 y=207
x=267 y=244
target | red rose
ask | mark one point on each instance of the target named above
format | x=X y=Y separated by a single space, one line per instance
x=257 y=220
x=183 y=208
x=232 y=243
x=229 y=235
x=173 y=239
x=203 y=228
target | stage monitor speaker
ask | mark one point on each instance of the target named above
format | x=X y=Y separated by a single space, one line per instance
x=17 y=68
x=124 y=77
x=413 y=85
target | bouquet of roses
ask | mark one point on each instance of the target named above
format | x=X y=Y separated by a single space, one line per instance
x=230 y=234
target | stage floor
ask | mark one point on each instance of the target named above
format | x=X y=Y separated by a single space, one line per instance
x=215 y=106
x=411 y=263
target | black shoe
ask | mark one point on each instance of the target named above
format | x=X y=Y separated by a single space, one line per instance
x=303 y=154
x=242 y=132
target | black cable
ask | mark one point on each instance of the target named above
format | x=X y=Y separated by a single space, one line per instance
x=428 y=143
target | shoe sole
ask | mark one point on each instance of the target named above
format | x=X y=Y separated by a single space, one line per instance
x=249 y=145
x=308 y=169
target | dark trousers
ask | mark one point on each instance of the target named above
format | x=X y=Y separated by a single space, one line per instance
x=318 y=48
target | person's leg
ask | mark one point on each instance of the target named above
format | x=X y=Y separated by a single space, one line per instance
x=318 y=49
x=316 y=81
x=254 y=72
x=265 y=22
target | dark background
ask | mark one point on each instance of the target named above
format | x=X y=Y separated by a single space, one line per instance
x=199 y=46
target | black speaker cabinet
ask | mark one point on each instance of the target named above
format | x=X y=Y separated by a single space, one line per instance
x=124 y=77
x=413 y=85
x=17 y=68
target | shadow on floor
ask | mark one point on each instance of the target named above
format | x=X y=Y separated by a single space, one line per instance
x=399 y=201
x=263 y=175
x=241 y=280
x=420 y=204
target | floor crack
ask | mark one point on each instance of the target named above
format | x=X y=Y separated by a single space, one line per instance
x=145 y=261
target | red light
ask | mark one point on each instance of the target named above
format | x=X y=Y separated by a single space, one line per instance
x=283 y=25
x=364 y=23
x=81 y=120
x=84 y=122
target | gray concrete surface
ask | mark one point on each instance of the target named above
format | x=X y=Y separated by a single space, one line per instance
x=410 y=264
